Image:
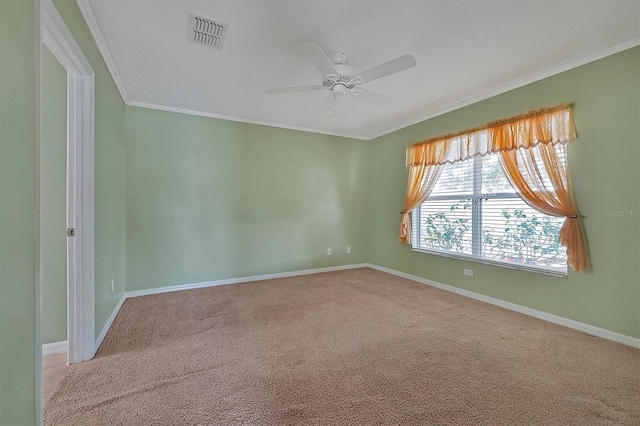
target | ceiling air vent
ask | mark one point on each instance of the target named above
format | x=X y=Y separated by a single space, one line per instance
x=207 y=32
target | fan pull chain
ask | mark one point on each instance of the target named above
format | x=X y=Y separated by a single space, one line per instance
x=334 y=108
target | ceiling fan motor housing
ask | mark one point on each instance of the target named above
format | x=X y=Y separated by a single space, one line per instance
x=345 y=77
x=339 y=58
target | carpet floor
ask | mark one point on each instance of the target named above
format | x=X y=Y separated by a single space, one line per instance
x=357 y=347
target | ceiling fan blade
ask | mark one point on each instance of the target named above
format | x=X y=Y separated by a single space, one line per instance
x=398 y=64
x=294 y=89
x=315 y=54
x=375 y=98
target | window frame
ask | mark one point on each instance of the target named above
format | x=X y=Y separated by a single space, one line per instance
x=476 y=197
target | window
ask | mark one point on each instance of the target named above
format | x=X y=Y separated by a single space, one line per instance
x=458 y=203
x=473 y=212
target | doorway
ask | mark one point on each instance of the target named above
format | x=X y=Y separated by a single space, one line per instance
x=79 y=216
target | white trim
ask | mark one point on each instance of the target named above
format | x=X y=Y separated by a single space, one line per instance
x=245 y=120
x=107 y=326
x=80 y=181
x=516 y=84
x=59 y=40
x=576 y=325
x=168 y=289
x=92 y=23
x=55 y=348
x=586 y=328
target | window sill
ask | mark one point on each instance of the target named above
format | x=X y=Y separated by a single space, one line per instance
x=536 y=269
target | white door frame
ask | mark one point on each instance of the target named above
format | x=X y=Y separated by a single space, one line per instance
x=80 y=182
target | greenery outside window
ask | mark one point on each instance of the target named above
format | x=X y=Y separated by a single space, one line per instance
x=473 y=212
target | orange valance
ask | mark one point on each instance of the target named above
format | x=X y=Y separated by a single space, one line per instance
x=551 y=125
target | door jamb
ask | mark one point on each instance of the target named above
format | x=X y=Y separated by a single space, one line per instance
x=80 y=182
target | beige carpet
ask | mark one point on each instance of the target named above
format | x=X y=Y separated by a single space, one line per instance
x=350 y=347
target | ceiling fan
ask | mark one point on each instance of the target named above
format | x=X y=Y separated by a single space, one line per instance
x=339 y=78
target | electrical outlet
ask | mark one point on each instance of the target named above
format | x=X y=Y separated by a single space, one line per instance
x=113 y=285
x=328 y=252
x=468 y=272
x=348 y=250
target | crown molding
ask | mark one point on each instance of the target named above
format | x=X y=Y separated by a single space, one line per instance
x=94 y=28
x=515 y=84
x=244 y=120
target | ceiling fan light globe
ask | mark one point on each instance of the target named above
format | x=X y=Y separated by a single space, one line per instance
x=339 y=88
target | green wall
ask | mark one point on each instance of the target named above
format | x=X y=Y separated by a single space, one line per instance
x=18 y=94
x=209 y=199
x=17 y=211
x=109 y=171
x=604 y=167
x=53 y=192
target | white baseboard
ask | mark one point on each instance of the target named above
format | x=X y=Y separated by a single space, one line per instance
x=107 y=326
x=576 y=325
x=55 y=348
x=157 y=290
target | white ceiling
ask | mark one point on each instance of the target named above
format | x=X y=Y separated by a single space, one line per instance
x=465 y=51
